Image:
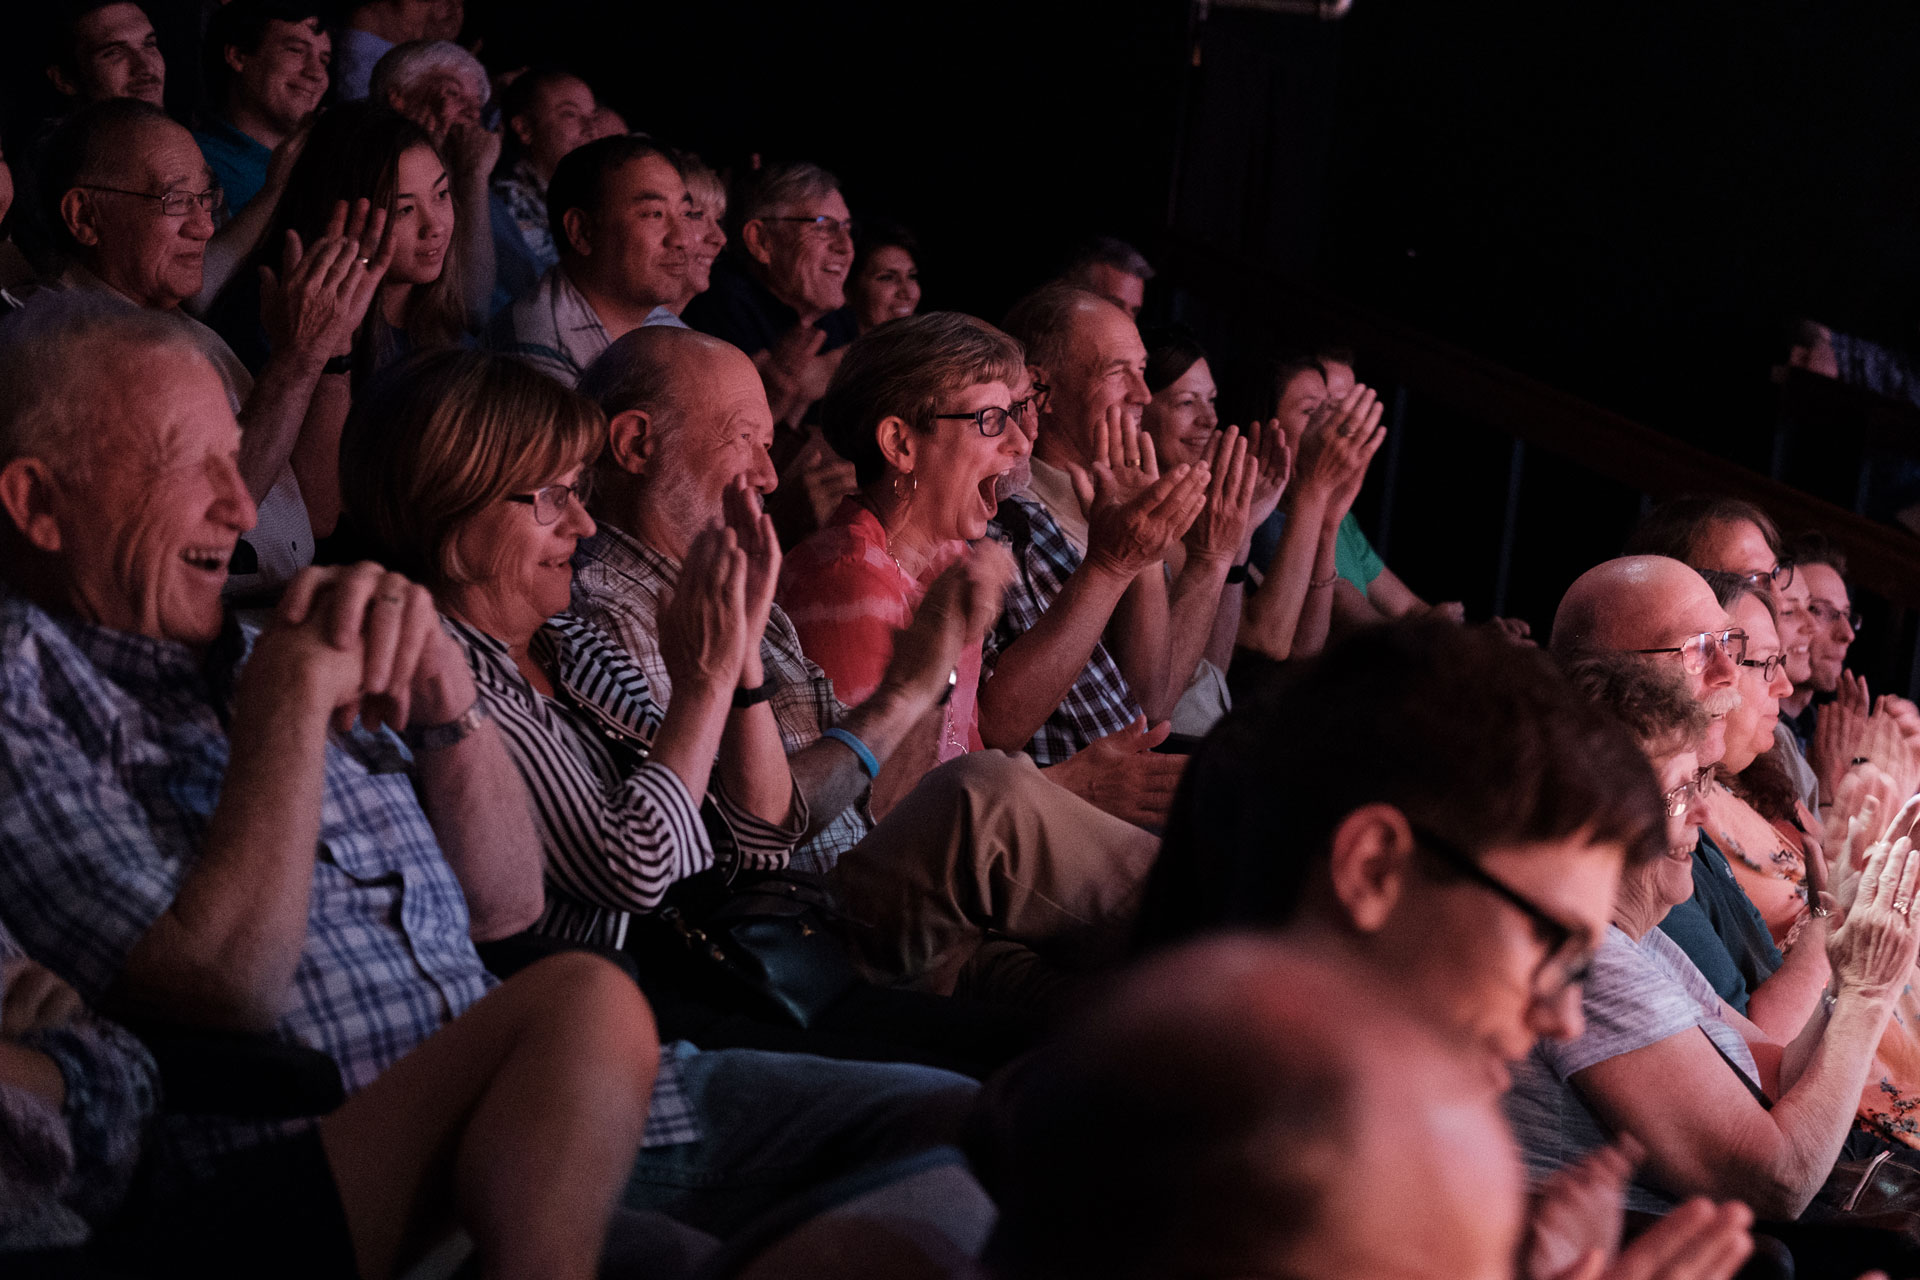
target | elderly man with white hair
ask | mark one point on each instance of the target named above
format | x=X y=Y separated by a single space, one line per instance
x=443 y=88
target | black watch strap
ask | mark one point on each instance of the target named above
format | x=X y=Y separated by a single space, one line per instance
x=744 y=698
x=1238 y=574
x=338 y=364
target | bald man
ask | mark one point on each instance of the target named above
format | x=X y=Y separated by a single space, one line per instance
x=1661 y=609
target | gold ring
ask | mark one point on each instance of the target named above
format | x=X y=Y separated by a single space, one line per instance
x=1902 y=905
x=365 y=262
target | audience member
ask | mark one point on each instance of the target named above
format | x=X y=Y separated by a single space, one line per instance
x=106 y=49
x=547 y=113
x=1219 y=1114
x=1081 y=650
x=1207 y=570
x=781 y=298
x=1734 y=1112
x=257 y=866
x=373 y=27
x=16 y=273
x=618 y=209
x=986 y=845
x=1111 y=268
x=136 y=207
x=1660 y=609
x=266 y=71
x=442 y=88
x=707 y=219
x=448 y=19
x=607 y=123
x=1726 y=535
x=885 y=282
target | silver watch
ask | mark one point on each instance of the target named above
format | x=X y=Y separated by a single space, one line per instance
x=436 y=737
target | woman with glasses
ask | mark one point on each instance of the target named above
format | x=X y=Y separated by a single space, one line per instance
x=923 y=408
x=470 y=471
x=1722 y=1109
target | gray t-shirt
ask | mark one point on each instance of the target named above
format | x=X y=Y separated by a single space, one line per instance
x=1640 y=993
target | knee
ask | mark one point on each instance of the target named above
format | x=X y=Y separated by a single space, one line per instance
x=984 y=774
x=595 y=998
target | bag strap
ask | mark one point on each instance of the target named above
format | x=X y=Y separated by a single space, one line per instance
x=1759 y=1094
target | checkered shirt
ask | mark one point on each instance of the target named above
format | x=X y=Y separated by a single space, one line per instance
x=1100 y=702
x=113 y=749
x=617 y=585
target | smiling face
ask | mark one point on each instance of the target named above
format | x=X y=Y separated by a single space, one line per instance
x=422 y=220
x=636 y=242
x=523 y=570
x=1299 y=397
x=155 y=258
x=1181 y=418
x=725 y=432
x=1797 y=627
x=1105 y=364
x=956 y=470
x=806 y=265
x=1750 y=725
x=146 y=542
x=887 y=288
x=1670 y=876
x=116 y=55
x=1829 y=613
x=285 y=78
x=439 y=100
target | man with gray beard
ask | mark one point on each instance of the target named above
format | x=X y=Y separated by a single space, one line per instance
x=1660 y=609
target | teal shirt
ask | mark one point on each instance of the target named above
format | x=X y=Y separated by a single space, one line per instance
x=1353 y=556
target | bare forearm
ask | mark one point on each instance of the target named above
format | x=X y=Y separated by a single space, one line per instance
x=689 y=737
x=1140 y=637
x=1034 y=672
x=753 y=764
x=271 y=418
x=316 y=454
x=828 y=773
x=917 y=754
x=1194 y=616
x=475 y=799
x=223 y=954
x=1781 y=1005
x=1273 y=616
x=1316 y=616
x=1226 y=624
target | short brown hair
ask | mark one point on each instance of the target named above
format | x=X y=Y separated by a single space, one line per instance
x=1674 y=527
x=1651 y=701
x=902 y=369
x=1042 y=321
x=443 y=434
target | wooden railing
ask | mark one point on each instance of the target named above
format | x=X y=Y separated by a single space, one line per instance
x=1883 y=559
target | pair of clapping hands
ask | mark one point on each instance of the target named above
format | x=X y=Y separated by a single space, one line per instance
x=318 y=299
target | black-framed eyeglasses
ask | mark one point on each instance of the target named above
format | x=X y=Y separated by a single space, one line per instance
x=820 y=225
x=1696 y=651
x=1028 y=409
x=991 y=420
x=175 y=204
x=550 y=502
x=1781 y=576
x=1825 y=613
x=1678 y=800
x=1765 y=666
x=1569 y=957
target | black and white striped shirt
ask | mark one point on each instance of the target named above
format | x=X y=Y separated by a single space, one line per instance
x=618 y=829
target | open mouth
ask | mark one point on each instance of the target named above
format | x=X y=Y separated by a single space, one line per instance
x=992 y=488
x=208 y=559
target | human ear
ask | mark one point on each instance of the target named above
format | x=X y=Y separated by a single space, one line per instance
x=76 y=211
x=579 y=229
x=236 y=61
x=27 y=492
x=896 y=443
x=61 y=83
x=630 y=441
x=1372 y=852
x=753 y=237
x=522 y=129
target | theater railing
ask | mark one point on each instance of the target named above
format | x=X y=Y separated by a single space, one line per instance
x=1424 y=374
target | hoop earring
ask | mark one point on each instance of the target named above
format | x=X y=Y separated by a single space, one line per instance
x=913 y=486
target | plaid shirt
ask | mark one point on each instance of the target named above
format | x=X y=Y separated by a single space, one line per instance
x=115 y=749
x=617 y=584
x=1100 y=701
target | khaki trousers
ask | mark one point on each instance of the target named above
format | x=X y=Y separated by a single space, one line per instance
x=986 y=845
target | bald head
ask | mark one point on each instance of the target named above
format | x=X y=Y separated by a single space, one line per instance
x=1635 y=602
x=687 y=414
x=1219 y=1114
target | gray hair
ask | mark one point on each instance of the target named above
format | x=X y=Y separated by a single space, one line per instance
x=51 y=357
x=405 y=65
x=1105 y=251
x=1042 y=321
x=782 y=186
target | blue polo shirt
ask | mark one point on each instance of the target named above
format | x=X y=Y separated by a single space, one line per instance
x=239 y=163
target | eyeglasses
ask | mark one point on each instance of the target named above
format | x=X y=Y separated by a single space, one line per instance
x=1696 y=651
x=1820 y=609
x=823 y=226
x=1028 y=411
x=1681 y=798
x=1766 y=666
x=175 y=204
x=1569 y=957
x=549 y=503
x=991 y=420
x=1781 y=576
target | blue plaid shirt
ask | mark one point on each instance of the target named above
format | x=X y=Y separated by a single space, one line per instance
x=113 y=748
x=1100 y=701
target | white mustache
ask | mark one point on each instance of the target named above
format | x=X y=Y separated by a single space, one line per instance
x=1721 y=701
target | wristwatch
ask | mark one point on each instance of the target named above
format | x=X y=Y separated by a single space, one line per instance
x=744 y=698
x=340 y=365
x=436 y=737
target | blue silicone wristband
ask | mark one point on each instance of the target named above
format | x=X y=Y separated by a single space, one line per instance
x=868 y=765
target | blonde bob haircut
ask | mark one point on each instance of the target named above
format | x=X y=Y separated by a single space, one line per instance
x=442 y=435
